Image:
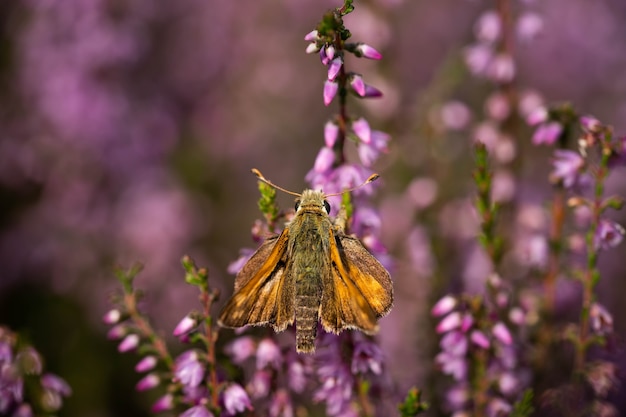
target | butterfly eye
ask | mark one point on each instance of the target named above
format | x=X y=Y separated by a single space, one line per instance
x=297 y=206
x=327 y=207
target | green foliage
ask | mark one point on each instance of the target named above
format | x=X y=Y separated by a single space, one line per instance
x=412 y=404
x=267 y=202
x=524 y=407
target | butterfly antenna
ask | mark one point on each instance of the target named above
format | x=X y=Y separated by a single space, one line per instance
x=271 y=184
x=371 y=179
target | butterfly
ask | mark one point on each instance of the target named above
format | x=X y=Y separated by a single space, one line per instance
x=312 y=272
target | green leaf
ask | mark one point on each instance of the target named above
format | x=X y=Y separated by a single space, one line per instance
x=524 y=407
x=412 y=404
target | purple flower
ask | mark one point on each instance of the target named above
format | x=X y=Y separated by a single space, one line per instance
x=244 y=256
x=334 y=67
x=112 y=316
x=366 y=51
x=568 y=167
x=236 y=399
x=331 y=133
x=367 y=356
x=590 y=124
x=502 y=68
x=450 y=322
x=117 y=332
x=241 y=349
x=148 y=382
x=296 y=374
x=330 y=91
x=537 y=116
x=478 y=57
x=324 y=161
x=357 y=84
x=146 y=364
x=312 y=48
x=361 y=129
x=268 y=353
x=608 y=234
x=502 y=333
x=186 y=325
x=329 y=52
x=197 y=411
x=479 y=339
x=529 y=25
x=547 y=133
x=454 y=343
x=164 y=403
x=260 y=385
x=23 y=410
x=57 y=384
x=601 y=319
x=444 y=306
x=369 y=152
x=280 y=405
x=311 y=36
x=488 y=27
x=452 y=365
x=129 y=343
x=188 y=369
x=371 y=92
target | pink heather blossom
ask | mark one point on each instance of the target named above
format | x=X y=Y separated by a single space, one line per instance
x=129 y=343
x=197 y=411
x=330 y=52
x=148 y=382
x=324 y=161
x=547 y=133
x=361 y=128
x=268 y=353
x=146 y=364
x=529 y=25
x=357 y=84
x=311 y=36
x=164 y=403
x=502 y=68
x=312 y=48
x=333 y=68
x=488 y=27
x=112 y=316
x=241 y=349
x=502 y=333
x=186 y=325
x=236 y=399
x=608 y=234
x=455 y=115
x=444 y=306
x=366 y=51
x=567 y=167
x=330 y=91
x=331 y=134
x=450 y=322
x=537 y=116
x=479 y=339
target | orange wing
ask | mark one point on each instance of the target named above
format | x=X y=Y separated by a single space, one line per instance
x=263 y=289
x=358 y=290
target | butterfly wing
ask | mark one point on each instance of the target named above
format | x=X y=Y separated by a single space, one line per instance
x=357 y=290
x=264 y=289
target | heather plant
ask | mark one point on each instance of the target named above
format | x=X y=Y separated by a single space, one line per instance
x=506 y=211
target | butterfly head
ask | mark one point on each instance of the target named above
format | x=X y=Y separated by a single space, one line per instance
x=311 y=200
